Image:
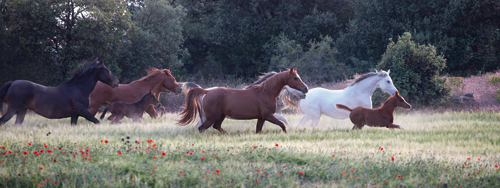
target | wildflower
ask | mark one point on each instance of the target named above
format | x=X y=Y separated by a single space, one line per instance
x=191 y=153
x=180 y=171
x=381 y=149
x=55 y=160
x=41 y=168
x=392 y=158
x=25 y=153
x=202 y=158
x=90 y=159
x=218 y=171
x=47 y=180
x=301 y=172
x=277 y=145
x=352 y=170
x=468 y=158
x=29 y=143
x=356 y=176
x=256 y=181
x=155 y=168
x=333 y=155
x=478 y=159
x=496 y=166
x=106 y=141
x=119 y=152
x=154 y=157
x=164 y=153
x=132 y=179
x=203 y=151
x=154 y=146
x=187 y=152
x=101 y=141
x=258 y=170
x=149 y=147
x=254 y=147
x=399 y=176
x=375 y=175
x=10 y=151
x=55 y=182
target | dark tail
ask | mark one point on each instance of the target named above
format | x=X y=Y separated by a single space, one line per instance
x=104 y=112
x=192 y=107
x=343 y=107
x=3 y=93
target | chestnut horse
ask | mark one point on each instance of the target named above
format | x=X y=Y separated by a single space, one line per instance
x=256 y=102
x=134 y=111
x=157 y=81
x=382 y=116
x=70 y=99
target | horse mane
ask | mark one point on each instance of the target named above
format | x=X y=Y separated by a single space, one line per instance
x=83 y=71
x=272 y=81
x=386 y=101
x=368 y=75
x=261 y=79
x=153 y=73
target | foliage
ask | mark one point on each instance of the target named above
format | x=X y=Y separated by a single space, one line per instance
x=317 y=64
x=497 y=95
x=157 y=40
x=495 y=80
x=415 y=69
x=456 y=82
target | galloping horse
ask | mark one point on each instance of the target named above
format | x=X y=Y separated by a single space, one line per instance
x=157 y=81
x=189 y=85
x=70 y=99
x=134 y=111
x=380 y=117
x=322 y=101
x=256 y=102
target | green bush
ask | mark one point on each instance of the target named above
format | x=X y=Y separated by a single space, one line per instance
x=495 y=80
x=316 y=62
x=414 y=70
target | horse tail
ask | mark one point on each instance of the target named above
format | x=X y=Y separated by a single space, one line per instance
x=291 y=98
x=3 y=93
x=192 y=107
x=104 y=111
x=343 y=107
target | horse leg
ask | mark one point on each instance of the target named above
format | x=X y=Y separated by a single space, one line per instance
x=260 y=124
x=111 y=117
x=74 y=119
x=394 y=126
x=118 y=118
x=10 y=113
x=218 y=123
x=273 y=119
x=283 y=119
x=304 y=120
x=82 y=111
x=151 y=111
x=20 y=116
x=206 y=125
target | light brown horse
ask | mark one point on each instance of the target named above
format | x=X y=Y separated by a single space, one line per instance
x=382 y=116
x=133 y=111
x=157 y=81
x=257 y=102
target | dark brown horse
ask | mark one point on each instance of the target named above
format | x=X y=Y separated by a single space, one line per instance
x=157 y=81
x=133 y=111
x=256 y=102
x=70 y=99
x=382 y=116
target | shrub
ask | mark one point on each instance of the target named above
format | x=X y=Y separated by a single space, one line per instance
x=497 y=95
x=495 y=80
x=414 y=70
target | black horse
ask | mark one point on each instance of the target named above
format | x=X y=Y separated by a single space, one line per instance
x=70 y=99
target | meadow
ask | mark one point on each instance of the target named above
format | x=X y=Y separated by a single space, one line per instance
x=450 y=149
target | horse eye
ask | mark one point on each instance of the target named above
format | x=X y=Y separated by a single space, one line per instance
x=388 y=81
x=295 y=78
x=401 y=100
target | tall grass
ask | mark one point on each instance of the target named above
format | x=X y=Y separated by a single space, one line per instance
x=460 y=149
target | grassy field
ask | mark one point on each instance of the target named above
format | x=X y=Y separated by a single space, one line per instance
x=454 y=149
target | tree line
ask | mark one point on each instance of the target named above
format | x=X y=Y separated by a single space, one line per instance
x=329 y=40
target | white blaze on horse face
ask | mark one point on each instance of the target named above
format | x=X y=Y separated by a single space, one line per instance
x=387 y=85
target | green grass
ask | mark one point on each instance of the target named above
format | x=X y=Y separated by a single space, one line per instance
x=432 y=150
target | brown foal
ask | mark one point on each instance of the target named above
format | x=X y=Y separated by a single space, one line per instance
x=133 y=111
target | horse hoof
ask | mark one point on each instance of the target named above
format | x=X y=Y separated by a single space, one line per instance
x=401 y=127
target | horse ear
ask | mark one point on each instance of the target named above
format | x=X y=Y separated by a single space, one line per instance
x=98 y=62
x=397 y=94
x=389 y=71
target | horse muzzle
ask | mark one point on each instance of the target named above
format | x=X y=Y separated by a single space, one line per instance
x=304 y=90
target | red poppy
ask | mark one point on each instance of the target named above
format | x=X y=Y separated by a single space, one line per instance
x=191 y=153
x=180 y=171
x=55 y=182
x=154 y=157
x=164 y=153
x=119 y=152
x=277 y=145
x=392 y=158
x=29 y=143
x=101 y=141
x=256 y=181
x=258 y=170
x=254 y=147
x=333 y=155
x=155 y=168
x=381 y=149
x=218 y=171
x=478 y=159
x=149 y=147
x=496 y=166
x=10 y=151
x=25 y=153
x=90 y=159
x=202 y=158
x=375 y=175
x=203 y=151
x=301 y=172
x=352 y=170
x=154 y=146
x=41 y=168
x=106 y=141
x=55 y=160
x=468 y=158
x=399 y=176
x=187 y=152
x=47 y=180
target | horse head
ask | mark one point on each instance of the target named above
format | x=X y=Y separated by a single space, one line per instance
x=169 y=83
x=150 y=97
x=295 y=82
x=385 y=83
x=401 y=102
x=104 y=74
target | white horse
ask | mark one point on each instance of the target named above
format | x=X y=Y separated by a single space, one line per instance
x=188 y=85
x=322 y=101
